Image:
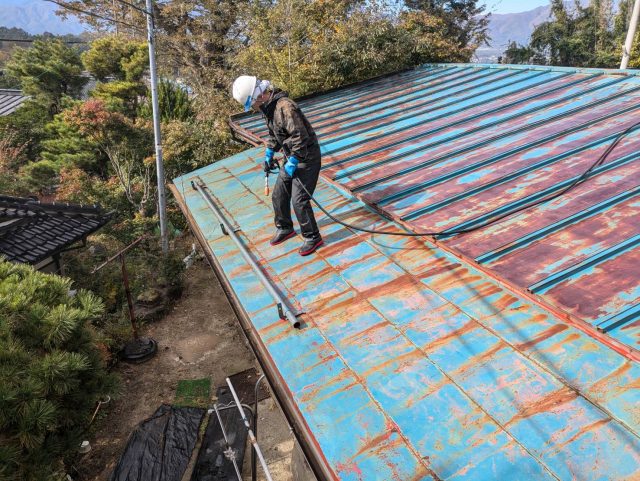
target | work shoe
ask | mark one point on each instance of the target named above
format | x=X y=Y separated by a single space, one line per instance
x=310 y=245
x=282 y=235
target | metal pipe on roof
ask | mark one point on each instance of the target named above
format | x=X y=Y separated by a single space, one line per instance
x=283 y=310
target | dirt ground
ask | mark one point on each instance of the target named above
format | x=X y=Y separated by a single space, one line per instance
x=199 y=338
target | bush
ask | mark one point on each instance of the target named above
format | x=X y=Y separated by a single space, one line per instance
x=41 y=176
x=147 y=268
x=51 y=371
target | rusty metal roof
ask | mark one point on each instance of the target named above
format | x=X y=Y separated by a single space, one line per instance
x=430 y=359
x=446 y=147
x=10 y=100
x=413 y=364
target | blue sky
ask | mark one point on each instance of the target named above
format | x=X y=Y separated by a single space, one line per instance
x=513 y=6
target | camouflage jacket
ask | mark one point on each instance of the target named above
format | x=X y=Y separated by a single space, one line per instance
x=289 y=129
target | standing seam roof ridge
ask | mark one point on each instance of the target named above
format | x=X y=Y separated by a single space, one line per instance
x=370 y=180
x=375 y=247
x=522 y=128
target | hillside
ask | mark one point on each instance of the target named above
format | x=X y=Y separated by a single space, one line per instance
x=36 y=17
x=506 y=27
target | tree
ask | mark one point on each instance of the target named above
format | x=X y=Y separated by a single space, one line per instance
x=577 y=36
x=51 y=371
x=26 y=126
x=465 y=22
x=128 y=144
x=66 y=147
x=116 y=57
x=173 y=101
x=48 y=70
x=119 y=64
x=620 y=27
x=10 y=158
x=518 y=54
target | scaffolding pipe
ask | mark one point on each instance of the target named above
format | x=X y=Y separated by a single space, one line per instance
x=229 y=451
x=255 y=425
x=254 y=441
x=283 y=309
x=631 y=33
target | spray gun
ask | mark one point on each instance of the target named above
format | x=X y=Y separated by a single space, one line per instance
x=271 y=168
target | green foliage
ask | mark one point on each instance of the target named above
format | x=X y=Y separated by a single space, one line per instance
x=66 y=147
x=173 y=101
x=51 y=371
x=194 y=144
x=119 y=64
x=518 y=54
x=116 y=57
x=40 y=176
x=48 y=70
x=26 y=127
x=306 y=46
x=464 y=22
x=121 y=95
x=579 y=36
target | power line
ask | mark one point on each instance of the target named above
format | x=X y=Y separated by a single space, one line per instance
x=43 y=38
x=95 y=15
x=135 y=7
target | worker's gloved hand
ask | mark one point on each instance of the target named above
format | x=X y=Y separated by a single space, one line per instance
x=268 y=160
x=291 y=166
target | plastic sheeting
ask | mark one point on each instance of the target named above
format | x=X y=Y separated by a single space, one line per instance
x=212 y=464
x=160 y=448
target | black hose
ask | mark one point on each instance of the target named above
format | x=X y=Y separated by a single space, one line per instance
x=491 y=221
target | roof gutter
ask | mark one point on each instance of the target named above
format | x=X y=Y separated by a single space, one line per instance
x=278 y=386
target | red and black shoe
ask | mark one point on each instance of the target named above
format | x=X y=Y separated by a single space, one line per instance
x=282 y=235
x=310 y=245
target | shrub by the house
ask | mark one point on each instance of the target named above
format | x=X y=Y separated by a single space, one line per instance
x=51 y=371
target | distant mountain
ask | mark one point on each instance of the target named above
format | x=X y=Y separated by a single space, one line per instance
x=35 y=17
x=516 y=26
x=506 y=27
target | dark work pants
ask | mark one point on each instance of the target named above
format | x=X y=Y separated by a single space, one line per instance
x=286 y=191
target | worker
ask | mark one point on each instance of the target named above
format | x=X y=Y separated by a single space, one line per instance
x=291 y=132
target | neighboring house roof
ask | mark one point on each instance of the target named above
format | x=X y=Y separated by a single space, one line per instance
x=429 y=359
x=446 y=147
x=31 y=231
x=10 y=100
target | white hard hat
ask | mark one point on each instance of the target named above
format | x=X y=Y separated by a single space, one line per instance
x=247 y=88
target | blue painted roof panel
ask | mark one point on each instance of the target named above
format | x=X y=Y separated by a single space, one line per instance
x=448 y=147
x=414 y=364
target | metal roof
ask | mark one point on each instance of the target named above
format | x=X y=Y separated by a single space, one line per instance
x=31 y=231
x=10 y=100
x=413 y=364
x=445 y=147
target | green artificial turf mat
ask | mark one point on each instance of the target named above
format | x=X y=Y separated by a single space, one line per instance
x=193 y=392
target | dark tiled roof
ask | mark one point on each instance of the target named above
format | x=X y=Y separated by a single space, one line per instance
x=31 y=231
x=10 y=100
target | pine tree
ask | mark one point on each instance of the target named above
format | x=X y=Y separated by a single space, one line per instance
x=51 y=372
x=48 y=70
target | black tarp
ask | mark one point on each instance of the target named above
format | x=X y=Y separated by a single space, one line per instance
x=160 y=448
x=212 y=464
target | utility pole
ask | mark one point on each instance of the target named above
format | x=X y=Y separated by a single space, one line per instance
x=631 y=33
x=162 y=195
